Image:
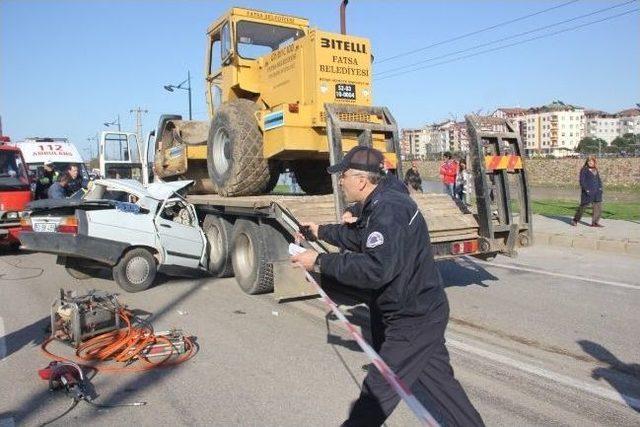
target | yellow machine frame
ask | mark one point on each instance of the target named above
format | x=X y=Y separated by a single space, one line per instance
x=291 y=84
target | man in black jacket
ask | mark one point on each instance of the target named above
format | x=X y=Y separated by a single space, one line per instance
x=388 y=251
x=76 y=181
x=412 y=178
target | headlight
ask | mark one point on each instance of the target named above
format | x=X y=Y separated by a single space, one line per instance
x=12 y=215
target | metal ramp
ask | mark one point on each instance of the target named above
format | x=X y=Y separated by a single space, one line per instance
x=337 y=116
x=501 y=185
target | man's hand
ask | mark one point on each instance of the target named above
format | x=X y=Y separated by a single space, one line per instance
x=348 y=218
x=308 y=231
x=305 y=259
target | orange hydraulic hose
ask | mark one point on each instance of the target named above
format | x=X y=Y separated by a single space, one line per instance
x=125 y=345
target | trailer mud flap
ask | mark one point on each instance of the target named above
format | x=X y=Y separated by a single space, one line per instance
x=290 y=282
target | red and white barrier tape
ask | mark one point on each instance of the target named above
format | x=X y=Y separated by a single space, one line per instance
x=396 y=383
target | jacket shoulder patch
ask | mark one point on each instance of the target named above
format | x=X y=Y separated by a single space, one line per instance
x=375 y=239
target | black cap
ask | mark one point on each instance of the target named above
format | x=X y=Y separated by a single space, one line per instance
x=360 y=158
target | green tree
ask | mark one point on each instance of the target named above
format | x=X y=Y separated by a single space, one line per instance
x=589 y=145
x=624 y=143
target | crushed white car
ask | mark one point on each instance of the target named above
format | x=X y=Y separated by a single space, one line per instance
x=136 y=230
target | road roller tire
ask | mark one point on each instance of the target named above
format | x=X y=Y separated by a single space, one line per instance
x=312 y=176
x=234 y=151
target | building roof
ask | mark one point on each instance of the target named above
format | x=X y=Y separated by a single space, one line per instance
x=513 y=110
x=598 y=113
x=629 y=112
x=555 y=106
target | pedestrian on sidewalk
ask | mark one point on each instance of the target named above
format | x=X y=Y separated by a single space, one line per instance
x=387 y=251
x=448 y=171
x=591 y=192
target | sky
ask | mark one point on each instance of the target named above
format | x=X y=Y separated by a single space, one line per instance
x=66 y=67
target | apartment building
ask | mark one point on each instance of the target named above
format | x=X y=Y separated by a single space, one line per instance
x=414 y=142
x=455 y=137
x=514 y=114
x=629 y=121
x=599 y=124
x=428 y=140
x=555 y=129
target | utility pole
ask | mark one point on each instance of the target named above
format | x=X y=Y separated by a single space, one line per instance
x=139 y=112
x=89 y=139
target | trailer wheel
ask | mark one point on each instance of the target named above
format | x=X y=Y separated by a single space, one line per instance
x=136 y=270
x=234 y=151
x=249 y=258
x=312 y=176
x=218 y=231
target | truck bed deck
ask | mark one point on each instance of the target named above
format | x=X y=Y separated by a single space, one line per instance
x=445 y=220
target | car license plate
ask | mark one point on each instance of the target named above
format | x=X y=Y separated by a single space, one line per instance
x=45 y=227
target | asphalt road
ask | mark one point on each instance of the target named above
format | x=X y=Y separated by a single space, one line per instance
x=550 y=337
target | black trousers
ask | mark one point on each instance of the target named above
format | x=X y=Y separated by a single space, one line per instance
x=416 y=352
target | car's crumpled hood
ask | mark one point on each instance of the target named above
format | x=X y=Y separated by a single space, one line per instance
x=157 y=190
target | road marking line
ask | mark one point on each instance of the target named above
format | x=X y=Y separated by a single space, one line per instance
x=609 y=394
x=564 y=276
x=541 y=372
x=7 y=422
x=3 y=343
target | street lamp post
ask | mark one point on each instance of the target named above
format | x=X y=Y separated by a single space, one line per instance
x=115 y=122
x=170 y=88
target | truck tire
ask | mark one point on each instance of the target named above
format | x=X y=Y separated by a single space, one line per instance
x=136 y=270
x=75 y=269
x=250 y=258
x=219 y=232
x=234 y=151
x=312 y=176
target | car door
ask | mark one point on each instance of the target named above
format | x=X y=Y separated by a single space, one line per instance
x=181 y=238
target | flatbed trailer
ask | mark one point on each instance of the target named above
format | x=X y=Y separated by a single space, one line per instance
x=249 y=236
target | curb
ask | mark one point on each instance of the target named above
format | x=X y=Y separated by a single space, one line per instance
x=627 y=247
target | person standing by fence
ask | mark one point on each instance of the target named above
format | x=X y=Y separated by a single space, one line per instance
x=591 y=186
x=412 y=178
x=448 y=171
x=463 y=183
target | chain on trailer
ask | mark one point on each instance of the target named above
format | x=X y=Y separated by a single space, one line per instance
x=501 y=184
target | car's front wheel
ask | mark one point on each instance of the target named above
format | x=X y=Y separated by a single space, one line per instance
x=136 y=270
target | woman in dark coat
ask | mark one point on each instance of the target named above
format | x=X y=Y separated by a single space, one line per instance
x=591 y=186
